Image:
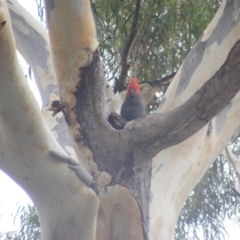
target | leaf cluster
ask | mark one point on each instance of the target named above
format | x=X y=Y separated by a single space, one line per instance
x=29 y=225
x=166 y=31
x=213 y=201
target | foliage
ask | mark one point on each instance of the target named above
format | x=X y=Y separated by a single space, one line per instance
x=212 y=201
x=157 y=50
x=167 y=30
x=29 y=225
x=41 y=11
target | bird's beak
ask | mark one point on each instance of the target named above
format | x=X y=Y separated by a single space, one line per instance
x=132 y=92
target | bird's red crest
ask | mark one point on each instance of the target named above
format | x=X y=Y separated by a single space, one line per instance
x=134 y=85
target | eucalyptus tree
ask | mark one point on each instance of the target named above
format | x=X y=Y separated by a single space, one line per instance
x=111 y=179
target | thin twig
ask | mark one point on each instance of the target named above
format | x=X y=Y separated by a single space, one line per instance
x=119 y=84
x=161 y=81
x=158 y=83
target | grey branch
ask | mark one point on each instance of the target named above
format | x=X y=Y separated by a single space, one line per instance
x=119 y=84
x=80 y=171
x=159 y=131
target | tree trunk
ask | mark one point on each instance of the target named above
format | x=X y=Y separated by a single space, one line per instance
x=144 y=170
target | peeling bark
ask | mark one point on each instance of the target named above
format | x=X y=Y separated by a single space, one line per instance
x=140 y=140
x=26 y=141
x=136 y=191
x=33 y=44
x=182 y=166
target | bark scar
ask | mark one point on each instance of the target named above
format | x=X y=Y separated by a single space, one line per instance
x=2 y=24
x=210 y=127
x=57 y=106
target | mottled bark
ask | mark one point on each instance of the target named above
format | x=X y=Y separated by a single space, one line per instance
x=117 y=152
x=26 y=142
x=140 y=198
x=33 y=44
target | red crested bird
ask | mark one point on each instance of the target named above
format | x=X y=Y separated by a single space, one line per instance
x=132 y=106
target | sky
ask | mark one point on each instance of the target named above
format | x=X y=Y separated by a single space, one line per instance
x=12 y=196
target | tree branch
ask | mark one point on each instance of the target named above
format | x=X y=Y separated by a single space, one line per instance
x=119 y=152
x=120 y=82
x=149 y=89
x=159 y=131
x=80 y=171
x=162 y=81
x=28 y=141
x=154 y=132
x=33 y=44
x=89 y=110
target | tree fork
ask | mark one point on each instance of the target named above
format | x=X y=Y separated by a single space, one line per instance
x=121 y=152
x=111 y=153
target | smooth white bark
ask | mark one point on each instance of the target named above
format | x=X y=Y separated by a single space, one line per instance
x=55 y=190
x=178 y=169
